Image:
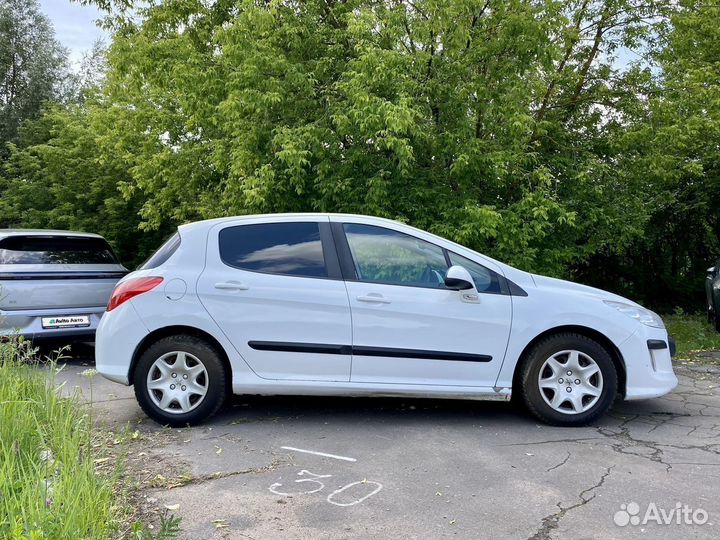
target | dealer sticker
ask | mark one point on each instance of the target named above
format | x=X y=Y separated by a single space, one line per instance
x=66 y=321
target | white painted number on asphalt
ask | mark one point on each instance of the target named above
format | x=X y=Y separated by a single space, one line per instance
x=358 y=501
x=314 y=478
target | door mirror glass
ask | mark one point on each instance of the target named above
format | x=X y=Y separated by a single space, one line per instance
x=458 y=279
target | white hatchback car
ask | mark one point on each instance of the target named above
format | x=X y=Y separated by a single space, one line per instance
x=327 y=304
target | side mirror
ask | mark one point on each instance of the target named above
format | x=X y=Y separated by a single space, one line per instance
x=711 y=271
x=458 y=278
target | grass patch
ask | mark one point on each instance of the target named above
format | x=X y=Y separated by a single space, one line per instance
x=50 y=485
x=692 y=333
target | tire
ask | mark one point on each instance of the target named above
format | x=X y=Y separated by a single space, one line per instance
x=552 y=358
x=185 y=359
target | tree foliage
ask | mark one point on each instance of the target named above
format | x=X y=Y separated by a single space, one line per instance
x=577 y=138
x=673 y=148
x=32 y=65
x=478 y=120
x=58 y=177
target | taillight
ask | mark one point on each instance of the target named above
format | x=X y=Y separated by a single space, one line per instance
x=131 y=288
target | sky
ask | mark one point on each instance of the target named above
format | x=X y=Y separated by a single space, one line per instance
x=74 y=25
x=75 y=28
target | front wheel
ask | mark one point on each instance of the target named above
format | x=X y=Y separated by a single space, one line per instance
x=180 y=380
x=568 y=380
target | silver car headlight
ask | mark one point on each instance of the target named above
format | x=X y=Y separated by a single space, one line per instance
x=640 y=314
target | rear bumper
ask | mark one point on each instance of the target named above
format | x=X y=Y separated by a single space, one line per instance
x=120 y=333
x=28 y=323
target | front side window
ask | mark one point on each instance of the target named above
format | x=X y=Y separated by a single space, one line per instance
x=55 y=250
x=485 y=280
x=289 y=248
x=386 y=256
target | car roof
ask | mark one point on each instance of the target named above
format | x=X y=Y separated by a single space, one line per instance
x=298 y=215
x=4 y=233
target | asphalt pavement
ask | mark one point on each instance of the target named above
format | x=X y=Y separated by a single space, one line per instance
x=299 y=467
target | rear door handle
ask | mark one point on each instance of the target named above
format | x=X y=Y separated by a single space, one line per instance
x=373 y=299
x=231 y=286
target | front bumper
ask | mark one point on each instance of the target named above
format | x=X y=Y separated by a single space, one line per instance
x=648 y=363
x=28 y=324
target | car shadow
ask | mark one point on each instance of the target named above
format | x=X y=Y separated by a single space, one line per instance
x=287 y=409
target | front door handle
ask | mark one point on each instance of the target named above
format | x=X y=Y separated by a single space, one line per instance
x=373 y=299
x=231 y=286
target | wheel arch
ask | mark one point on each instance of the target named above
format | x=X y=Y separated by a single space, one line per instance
x=591 y=333
x=179 y=330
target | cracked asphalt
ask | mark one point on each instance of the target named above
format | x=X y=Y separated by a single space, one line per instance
x=426 y=468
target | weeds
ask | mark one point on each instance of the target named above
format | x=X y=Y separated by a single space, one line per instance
x=692 y=333
x=50 y=485
x=169 y=528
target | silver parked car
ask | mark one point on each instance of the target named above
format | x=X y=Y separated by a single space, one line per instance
x=55 y=284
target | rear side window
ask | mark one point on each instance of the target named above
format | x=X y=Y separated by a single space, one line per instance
x=163 y=253
x=292 y=249
x=55 y=250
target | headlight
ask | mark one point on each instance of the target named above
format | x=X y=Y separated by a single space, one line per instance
x=640 y=314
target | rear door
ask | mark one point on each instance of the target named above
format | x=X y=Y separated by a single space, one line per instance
x=56 y=271
x=275 y=290
x=408 y=328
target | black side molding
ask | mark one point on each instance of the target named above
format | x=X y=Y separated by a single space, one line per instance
x=288 y=346
x=419 y=353
x=325 y=348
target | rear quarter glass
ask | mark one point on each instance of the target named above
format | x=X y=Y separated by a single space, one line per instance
x=163 y=253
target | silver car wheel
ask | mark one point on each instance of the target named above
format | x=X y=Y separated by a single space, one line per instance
x=177 y=382
x=570 y=382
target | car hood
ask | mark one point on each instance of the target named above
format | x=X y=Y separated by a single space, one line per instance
x=562 y=286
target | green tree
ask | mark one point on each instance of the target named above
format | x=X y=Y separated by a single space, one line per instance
x=674 y=152
x=33 y=65
x=482 y=121
x=511 y=127
x=56 y=177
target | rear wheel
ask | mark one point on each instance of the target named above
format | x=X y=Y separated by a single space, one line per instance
x=568 y=380
x=180 y=380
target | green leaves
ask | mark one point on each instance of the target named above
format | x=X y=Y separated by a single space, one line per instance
x=524 y=129
x=461 y=116
x=33 y=65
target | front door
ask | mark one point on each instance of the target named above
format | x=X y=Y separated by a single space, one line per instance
x=408 y=328
x=274 y=288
